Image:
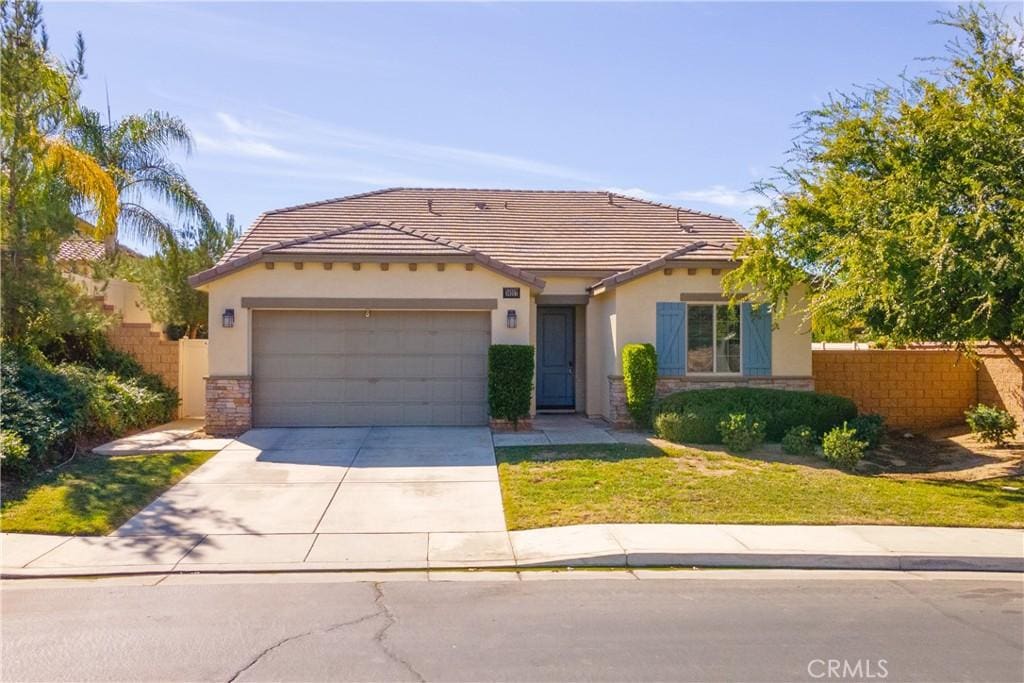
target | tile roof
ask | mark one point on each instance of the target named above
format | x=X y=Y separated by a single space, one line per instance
x=524 y=229
x=79 y=249
x=85 y=249
x=371 y=239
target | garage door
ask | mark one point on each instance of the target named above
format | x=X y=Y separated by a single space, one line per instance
x=342 y=368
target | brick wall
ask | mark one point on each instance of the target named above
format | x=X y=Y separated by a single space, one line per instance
x=912 y=388
x=228 y=405
x=1000 y=382
x=154 y=353
x=619 y=414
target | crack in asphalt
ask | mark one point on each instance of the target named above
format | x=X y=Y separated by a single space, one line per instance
x=380 y=636
x=317 y=631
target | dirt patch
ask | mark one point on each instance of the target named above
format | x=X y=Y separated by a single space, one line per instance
x=951 y=454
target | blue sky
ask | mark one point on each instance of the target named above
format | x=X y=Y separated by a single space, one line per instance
x=683 y=103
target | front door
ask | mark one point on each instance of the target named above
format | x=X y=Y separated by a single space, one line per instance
x=556 y=356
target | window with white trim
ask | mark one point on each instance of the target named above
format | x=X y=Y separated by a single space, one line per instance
x=712 y=338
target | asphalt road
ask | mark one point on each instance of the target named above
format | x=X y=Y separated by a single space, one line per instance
x=712 y=626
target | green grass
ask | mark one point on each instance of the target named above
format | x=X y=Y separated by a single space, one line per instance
x=93 y=495
x=559 y=485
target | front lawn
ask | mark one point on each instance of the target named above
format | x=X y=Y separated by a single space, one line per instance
x=559 y=485
x=95 y=494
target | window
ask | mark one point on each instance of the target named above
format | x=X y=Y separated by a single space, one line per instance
x=712 y=338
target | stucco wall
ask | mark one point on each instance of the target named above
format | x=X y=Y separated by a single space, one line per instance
x=230 y=347
x=636 y=318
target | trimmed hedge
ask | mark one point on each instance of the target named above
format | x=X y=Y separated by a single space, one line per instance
x=509 y=381
x=702 y=410
x=640 y=375
x=51 y=408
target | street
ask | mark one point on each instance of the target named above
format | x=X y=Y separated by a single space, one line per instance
x=689 y=626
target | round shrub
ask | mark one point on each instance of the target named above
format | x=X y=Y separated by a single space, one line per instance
x=991 y=424
x=670 y=426
x=640 y=375
x=842 y=448
x=870 y=428
x=14 y=455
x=779 y=410
x=800 y=440
x=741 y=432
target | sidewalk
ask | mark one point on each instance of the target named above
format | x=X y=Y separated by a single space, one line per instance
x=173 y=436
x=600 y=545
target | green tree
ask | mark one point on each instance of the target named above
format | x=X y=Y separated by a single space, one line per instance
x=163 y=277
x=135 y=152
x=903 y=207
x=44 y=180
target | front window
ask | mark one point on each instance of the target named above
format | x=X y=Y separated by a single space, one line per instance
x=712 y=338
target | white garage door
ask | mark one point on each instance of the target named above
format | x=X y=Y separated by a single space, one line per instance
x=341 y=368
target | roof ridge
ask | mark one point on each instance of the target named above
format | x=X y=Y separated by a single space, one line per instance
x=358 y=195
x=371 y=193
x=677 y=208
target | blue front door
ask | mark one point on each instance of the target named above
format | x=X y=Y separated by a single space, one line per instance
x=555 y=357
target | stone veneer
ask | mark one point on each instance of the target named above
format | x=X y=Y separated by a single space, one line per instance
x=619 y=414
x=228 y=405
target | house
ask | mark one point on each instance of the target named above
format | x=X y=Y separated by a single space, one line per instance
x=379 y=308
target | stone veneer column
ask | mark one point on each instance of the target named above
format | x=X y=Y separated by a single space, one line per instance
x=228 y=405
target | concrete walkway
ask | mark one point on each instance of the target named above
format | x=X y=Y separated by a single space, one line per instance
x=173 y=436
x=567 y=429
x=606 y=545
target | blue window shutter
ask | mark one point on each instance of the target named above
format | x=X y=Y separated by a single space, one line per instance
x=670 y=344
x=756 y=340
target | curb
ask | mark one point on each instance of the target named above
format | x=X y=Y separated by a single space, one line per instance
x=622 y=561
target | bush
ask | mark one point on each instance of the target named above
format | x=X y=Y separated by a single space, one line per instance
x=670 y=426
x=800 y=440
x=509 y=381
x=991 y=424
x=778 y=409
x=640 y=375
x=14 y=454
x=741 y=432
x=869 y=428
x=842 y=448
x=51 y=408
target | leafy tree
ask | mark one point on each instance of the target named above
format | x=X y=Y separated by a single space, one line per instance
x=903 y=207
x=164 y=276
x=44 y=177
x=134 y=151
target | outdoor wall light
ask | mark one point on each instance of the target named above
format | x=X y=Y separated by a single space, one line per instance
x=510 y=319
x=228 y=319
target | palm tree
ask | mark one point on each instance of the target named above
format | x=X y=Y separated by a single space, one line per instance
x=134 y=150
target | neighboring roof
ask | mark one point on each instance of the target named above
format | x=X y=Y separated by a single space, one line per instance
x=85 y=249
x=524 y=229
x=372 y=239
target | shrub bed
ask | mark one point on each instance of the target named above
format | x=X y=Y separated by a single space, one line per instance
x=51 y=408
x=701 y=411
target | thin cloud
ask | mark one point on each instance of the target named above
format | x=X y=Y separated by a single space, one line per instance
x=720 y=195
x=242 y=147
x=637 y=192
x=297 y=127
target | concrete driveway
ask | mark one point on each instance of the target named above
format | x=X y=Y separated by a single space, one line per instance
x=335 y=481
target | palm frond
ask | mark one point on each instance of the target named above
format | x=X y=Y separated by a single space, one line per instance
x=85 y=176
